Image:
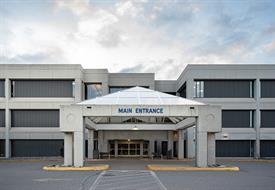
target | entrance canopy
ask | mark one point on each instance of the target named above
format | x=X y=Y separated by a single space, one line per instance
x=142 y=109
x=139 y=106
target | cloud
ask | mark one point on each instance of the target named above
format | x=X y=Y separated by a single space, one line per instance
x=129 y=8
x=78 y=7
x=134 y=69
x=138 y=36
x=270 y=47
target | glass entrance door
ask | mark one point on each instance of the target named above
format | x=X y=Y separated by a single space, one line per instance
x=128 y=148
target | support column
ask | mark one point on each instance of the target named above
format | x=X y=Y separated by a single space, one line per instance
x=141 y=149
x=257 y=119
x=100 y=141
x=151 y=147
x=68 y=149
x=78 y=149
x=201 y=149
x=190 y=143
x=159 y=147
x=211 y=149
x=90 y=143
x=78 y=90
x=180 y=144
x=171 y=141
x=116 y=149
x=7 y=119
x=201 y=143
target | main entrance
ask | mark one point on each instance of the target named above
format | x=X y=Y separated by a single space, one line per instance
x=135 y=111
x=129 y=148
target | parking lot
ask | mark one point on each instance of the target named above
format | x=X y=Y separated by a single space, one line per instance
x=126 y=174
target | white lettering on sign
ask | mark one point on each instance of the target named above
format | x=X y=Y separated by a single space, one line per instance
x=140 y=110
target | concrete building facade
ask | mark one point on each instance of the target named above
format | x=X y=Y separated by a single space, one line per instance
x=31 y=97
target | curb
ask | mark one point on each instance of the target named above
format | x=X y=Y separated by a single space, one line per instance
x=88 y=168
x=188 y=168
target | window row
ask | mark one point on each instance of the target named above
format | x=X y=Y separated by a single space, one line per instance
x=50 y=118
x=54 y=88
x=246 y=118
x=39 y=88
x=244 y=148
x=232 y=88
x=31 y=118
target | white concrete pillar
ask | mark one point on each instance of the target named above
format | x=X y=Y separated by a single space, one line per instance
x=90 y=143
x=171 y=141
x=78 y=90
x=141 y=148
x=116 y=149
x=211 y=149
x=7 y=119
x=180 y=144
x=100 y=141
x=151 y=147
x=257 y=118
x=201 y=149
x=201 y=142
x=190 y=142
x=159 y=146
x=68 y=149
x=78 y=149
x=105 y=144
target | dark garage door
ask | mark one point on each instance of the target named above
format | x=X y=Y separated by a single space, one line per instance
x=33 y=148
x=267 y=148
x=234 y=148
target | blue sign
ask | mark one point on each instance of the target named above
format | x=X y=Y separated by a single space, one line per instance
x=140 y=110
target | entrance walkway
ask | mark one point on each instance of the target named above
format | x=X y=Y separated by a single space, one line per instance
x=127 y=180
x=136 y=164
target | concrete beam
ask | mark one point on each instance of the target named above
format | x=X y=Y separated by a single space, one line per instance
x=139 y=127
x=89 y=124
x=186 y=123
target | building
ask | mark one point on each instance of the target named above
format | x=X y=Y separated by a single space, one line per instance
x=31 y=97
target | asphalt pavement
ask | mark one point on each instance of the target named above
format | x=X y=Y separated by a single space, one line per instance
x=28 y=175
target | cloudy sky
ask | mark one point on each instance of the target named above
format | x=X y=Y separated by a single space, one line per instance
x=137 y=35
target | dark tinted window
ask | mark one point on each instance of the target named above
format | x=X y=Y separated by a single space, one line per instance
x=234 y=148
x=2 y=88
x=267 y=148
x=35 y=118
x=268 y=88
x=2 y=118
x=268 y=118
x=33 y=148
x=2 y=148
x=237 y=118
x=42 y=88
x=182 y=91
x=224 y=89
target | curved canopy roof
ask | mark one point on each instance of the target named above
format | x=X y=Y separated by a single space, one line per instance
x=139 y=96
